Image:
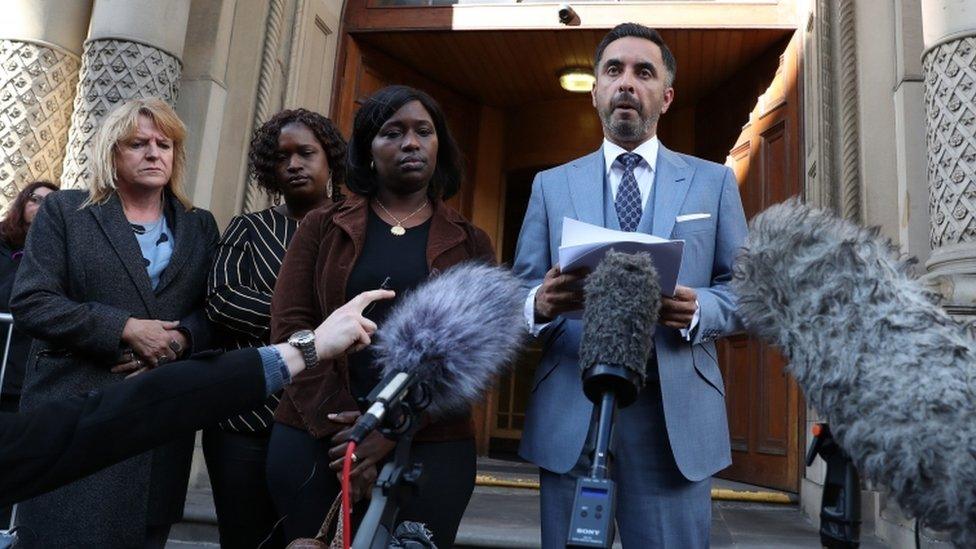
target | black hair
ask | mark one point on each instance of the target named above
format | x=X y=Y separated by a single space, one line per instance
x=375 y=111
x=262 y=157
x=636 y=30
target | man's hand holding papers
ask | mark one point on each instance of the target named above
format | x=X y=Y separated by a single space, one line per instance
x=678 y=311
x=583 y=247
x=560 y=292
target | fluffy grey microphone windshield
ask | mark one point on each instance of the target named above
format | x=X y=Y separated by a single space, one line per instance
x=455 y=333
x=623 y=296
x=892 y=372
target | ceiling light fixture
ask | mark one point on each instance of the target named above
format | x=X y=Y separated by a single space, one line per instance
x=578 y=80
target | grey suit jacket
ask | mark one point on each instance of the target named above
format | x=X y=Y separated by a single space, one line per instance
x=82 y=277
x=693 y=392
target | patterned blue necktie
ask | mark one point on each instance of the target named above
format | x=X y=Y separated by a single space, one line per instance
x=628 y=201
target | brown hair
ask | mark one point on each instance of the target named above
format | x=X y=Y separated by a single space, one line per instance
x=13 y=230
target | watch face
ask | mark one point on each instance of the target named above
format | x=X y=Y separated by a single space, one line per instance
x=302 y=337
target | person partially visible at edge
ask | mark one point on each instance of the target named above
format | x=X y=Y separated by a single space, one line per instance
x=393 y=230
x=112 y=284
x=665 y=450
x=50 y=445
x=297 y=156
x=13 y=233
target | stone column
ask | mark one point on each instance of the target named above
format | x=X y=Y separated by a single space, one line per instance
x=949 y=69
x=254 y=198
x=134 y=49
x=40 y=53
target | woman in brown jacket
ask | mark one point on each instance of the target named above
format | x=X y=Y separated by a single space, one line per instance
x=393 y=231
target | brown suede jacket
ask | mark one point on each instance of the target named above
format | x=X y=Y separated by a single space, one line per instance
x=312 y=284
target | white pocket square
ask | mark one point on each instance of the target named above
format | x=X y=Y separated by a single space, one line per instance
x=692 y=217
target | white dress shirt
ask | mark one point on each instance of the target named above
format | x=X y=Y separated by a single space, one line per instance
x=644 y=173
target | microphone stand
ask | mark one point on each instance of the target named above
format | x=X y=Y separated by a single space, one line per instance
x=840 y=506
x=399 y=480
x=604 y=432
x=595 y=503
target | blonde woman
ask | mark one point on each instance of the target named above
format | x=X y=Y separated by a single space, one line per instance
x=113 y=283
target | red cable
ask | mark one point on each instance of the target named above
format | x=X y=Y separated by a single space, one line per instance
x=346 y=507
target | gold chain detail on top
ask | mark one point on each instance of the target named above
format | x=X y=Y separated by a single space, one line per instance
x=398 y=229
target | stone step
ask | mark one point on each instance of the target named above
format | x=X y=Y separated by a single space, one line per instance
x=504 y=511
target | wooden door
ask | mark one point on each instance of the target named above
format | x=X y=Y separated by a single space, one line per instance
x=764 y=404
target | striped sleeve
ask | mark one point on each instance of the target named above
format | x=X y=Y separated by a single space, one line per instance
x=233 y=300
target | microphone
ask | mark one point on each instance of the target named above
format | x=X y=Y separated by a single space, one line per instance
x=893 y=373
x=622 y=300
x=452 y=335
x=623 y=296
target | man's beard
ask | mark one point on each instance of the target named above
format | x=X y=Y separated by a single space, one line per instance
x=630 y=129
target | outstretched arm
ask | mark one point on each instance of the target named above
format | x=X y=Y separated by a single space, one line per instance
x=64 y=440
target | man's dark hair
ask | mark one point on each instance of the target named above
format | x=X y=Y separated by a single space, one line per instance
x=373 y=114
x=624 y=30
x=264 y=147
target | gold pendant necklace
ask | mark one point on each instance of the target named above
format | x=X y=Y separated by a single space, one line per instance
x=398 y=229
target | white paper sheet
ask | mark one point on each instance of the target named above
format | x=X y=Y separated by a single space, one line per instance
x=584 y=245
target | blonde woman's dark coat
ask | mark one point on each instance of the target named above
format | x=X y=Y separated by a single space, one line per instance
x=82 y=277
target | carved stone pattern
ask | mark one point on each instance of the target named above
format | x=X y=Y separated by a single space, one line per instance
x=849 y=149
x=254 y=197
x=950 y=132
x=37 y=84
x=826 y=179
x=113 y=71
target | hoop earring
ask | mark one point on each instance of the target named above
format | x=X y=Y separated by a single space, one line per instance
x=372 y=167
x=328 y=188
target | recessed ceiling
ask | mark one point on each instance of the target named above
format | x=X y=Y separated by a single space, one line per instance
x=508 y=68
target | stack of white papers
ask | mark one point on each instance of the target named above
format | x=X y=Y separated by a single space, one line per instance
x=584 y=245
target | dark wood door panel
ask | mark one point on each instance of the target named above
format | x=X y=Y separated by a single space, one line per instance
x=764 y=404
x=773 y=434
x=735 y=355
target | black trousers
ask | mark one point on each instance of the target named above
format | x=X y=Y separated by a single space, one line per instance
x=8 y=404
x=303 y=498
x=246 y=515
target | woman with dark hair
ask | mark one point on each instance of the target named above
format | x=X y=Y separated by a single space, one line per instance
x=13 y=234
x=393 y=231
x=299 y=156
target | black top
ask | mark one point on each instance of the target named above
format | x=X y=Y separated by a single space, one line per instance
x=239 y=293
x=400 y=259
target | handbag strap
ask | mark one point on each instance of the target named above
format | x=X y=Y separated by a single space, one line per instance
x=330 y=517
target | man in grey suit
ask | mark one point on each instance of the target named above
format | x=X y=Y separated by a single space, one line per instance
x=668 y=443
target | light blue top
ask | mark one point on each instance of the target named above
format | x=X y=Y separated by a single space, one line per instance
x=276 y=373
x=156 y=243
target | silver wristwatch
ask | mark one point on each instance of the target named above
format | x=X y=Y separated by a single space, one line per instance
x=304 y=341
